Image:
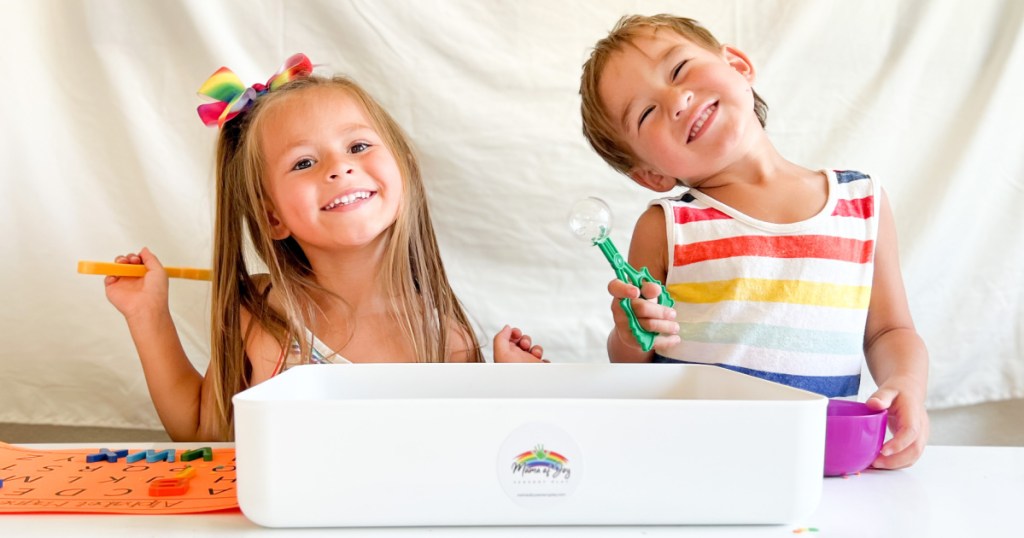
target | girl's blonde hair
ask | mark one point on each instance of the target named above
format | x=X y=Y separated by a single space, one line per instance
x=412 y=274
x=600 y=129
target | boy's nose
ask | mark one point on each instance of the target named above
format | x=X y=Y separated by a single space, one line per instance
x=681 y=101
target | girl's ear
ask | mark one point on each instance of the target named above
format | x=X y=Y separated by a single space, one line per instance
x=278 y=230
x=739 y=61
x=652 y=180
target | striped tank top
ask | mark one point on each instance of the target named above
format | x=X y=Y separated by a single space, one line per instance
x=319 y=354
x=783 y=302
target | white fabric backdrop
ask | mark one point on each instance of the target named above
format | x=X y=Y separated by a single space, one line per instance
x=102 y=153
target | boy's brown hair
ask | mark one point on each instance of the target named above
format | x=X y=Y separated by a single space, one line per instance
x=598 y=127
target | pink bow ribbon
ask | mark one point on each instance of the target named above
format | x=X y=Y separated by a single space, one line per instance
x=232 y=97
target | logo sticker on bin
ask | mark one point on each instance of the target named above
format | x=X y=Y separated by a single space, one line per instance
x=539 y=465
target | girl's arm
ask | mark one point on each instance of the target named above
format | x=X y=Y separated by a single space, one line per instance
x=648 y=248
x=896 y=354
x=174 y=384
x=512 y=345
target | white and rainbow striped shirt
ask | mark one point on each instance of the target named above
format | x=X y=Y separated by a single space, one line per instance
x=319 y=353
x=784 y=302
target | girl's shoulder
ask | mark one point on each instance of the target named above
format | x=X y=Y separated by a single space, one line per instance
x=462 y=346
x=263 y=349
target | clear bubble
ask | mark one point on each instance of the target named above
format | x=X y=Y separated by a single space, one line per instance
x=590 y=219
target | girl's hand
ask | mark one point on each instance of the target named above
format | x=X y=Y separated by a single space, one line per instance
x=139 y=296
x=908 y=422
x=511 y=345
x=651 y=315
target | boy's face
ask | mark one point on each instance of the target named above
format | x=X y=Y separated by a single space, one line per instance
x=687 y=112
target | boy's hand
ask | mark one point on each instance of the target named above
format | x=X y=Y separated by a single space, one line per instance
x=511 y=345
x=908 y=422
x=138 y=296
x=651 y=315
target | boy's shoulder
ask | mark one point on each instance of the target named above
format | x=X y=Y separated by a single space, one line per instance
x=847 y=176
x=855 y=184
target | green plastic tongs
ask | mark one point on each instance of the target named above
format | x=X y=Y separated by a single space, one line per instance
x=590 y=220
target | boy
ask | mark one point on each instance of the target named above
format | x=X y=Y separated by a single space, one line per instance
x=778 y=271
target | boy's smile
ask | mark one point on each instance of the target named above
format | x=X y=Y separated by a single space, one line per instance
x=705 y=117
x=686 y=112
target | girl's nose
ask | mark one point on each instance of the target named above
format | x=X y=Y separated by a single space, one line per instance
x=340 y=170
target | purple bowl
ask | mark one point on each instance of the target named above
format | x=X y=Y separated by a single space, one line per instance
x=853 y=436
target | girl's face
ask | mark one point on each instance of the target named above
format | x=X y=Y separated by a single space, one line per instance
x=687 y=112
x=333 y=184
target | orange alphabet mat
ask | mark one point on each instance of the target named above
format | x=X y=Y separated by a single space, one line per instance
x=65 y=481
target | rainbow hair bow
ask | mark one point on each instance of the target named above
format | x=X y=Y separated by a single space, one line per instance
x=233 y=98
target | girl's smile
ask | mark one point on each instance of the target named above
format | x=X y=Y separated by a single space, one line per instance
x=349 y=201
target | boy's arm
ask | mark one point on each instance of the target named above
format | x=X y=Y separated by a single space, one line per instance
x=648 y=248
x=896 y=354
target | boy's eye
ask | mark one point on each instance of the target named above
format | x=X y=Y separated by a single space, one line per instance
x=643 y=116
x=678 y=68
x=303 y=164
x=359 y=147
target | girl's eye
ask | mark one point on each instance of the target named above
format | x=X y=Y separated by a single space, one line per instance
x=675 y=72
x=643 y=116
x=303 y=164
x=359 y=147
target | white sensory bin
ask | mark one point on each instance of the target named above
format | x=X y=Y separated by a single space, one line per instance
x=526 y=444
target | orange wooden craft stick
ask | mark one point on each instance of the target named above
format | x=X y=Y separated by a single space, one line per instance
x=137 y=270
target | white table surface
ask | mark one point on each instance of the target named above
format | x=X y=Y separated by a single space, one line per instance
x=952 y=491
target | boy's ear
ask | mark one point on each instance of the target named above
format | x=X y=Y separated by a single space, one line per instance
x=278 y=230
x=652 y=180
x=740 y=62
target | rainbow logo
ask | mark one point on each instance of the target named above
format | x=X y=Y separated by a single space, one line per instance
x=539 y=460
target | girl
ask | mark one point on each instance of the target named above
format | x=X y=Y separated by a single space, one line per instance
x=325 y=184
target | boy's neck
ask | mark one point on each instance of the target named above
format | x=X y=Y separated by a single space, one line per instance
x=761 y=164
x=768 y=187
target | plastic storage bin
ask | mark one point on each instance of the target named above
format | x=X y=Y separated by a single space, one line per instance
x=526 y=444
